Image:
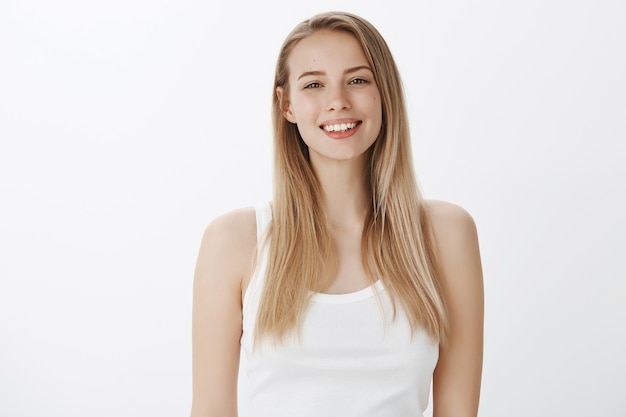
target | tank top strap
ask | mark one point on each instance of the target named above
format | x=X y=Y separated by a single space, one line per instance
x=253 y=293
x=263 y=219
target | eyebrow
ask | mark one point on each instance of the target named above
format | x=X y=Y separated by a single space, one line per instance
x=348 y=71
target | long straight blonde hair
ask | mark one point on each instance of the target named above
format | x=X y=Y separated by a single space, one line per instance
x=397 y=246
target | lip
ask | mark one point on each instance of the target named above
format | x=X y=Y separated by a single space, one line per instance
x=341 y=135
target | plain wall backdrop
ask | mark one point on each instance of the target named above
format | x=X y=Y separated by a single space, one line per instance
x=127 y=126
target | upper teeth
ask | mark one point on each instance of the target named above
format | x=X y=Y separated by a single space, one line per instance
x=341 y=127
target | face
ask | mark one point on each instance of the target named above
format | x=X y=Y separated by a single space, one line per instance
x=333 y=97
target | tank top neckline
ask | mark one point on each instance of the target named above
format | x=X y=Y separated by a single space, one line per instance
x=350 y=297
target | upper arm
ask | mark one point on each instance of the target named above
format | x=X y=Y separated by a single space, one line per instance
x=457 y=376
x=224 y=259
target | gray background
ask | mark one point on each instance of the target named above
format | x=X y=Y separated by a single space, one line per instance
x=126 y=126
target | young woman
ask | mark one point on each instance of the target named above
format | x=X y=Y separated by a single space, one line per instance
x=349 y=293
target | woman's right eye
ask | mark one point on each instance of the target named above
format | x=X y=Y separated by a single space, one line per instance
x=313 y=85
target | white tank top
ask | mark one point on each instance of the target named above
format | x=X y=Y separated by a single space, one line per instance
x=352 y=358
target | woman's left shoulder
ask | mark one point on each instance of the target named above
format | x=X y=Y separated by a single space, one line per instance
x=455 y=239
x=449 y=220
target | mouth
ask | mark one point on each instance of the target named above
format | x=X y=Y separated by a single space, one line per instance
x=340 y=127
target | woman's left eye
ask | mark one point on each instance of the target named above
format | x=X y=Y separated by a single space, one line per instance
x=359 y=81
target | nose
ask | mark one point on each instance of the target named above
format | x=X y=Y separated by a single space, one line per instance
x=338 y=99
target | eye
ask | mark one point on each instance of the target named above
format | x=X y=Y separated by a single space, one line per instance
x=312 y=85
x=359 y=81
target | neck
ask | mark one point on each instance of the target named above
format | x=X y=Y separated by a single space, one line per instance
x=345 y=194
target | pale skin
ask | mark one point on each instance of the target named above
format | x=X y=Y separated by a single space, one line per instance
x=225 y=262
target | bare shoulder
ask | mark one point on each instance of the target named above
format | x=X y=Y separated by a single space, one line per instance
x=234 y=228
x=229 y=243
x=448 y=220
x=455 y=237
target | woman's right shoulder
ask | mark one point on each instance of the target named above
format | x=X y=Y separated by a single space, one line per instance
x=229 y=243
x=235 y=227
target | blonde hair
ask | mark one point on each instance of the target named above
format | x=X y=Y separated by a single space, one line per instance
x=396 y=242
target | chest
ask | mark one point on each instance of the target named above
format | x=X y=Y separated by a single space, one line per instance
x=350 y=275
x=356 y=334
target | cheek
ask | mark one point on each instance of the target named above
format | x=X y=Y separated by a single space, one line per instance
x=376 y=106
x=303 y=109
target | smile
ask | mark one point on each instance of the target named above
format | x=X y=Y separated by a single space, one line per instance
x=339 y=127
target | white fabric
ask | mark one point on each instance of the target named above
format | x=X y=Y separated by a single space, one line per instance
x=352 y=358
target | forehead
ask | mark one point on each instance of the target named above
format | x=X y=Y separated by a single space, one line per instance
x=326 y=50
